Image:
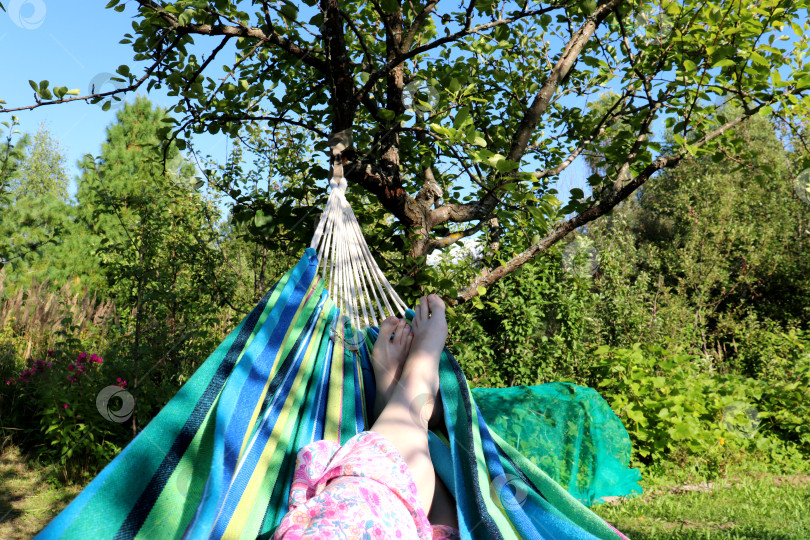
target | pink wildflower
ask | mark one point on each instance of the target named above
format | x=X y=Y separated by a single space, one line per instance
x=71 y=367
x=65 y=405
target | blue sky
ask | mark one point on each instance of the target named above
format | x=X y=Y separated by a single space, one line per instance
x=74 y=43
x=69 y=44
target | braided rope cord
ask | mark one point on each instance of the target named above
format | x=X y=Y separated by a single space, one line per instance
x=353 y=278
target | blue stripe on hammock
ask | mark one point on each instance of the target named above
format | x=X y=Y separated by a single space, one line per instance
x=545 y=523
x=227 y=408
x=257 y=446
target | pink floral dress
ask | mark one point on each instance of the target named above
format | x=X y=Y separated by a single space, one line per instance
x=362 y=489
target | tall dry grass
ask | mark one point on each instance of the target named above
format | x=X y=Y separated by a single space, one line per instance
x=34 y=315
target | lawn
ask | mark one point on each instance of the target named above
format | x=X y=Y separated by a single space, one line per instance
x=744 y=505
x=27 y=501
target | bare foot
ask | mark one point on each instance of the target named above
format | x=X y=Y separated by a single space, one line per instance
x=430 y=326
x=387 y=358
x=420 y=375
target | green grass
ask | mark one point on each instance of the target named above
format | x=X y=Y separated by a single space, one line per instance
x=27 y=501
x=746 y=505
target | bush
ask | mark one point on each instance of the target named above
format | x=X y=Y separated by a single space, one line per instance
x=53 y=404
x=673 y=410
x=526 y=329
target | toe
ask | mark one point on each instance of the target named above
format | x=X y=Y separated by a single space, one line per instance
x=400 y=333
x=436 y=304
x=422 y=309
x=388 y=326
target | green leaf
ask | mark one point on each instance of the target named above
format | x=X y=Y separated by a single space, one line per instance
x=636 y=415
x=766 y=111
x=289 y=11
x=386 y=115
x=481 y=290
x=461 y=116
x=681 y=431
x=389 y=6
x=757 y=58
x=475 y=138
x=444 y=131
x=260 y=219
x=504 y=165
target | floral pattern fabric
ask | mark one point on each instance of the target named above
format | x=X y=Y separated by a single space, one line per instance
x=361 y=490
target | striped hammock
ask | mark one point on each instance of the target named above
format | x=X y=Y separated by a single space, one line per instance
x=218 y=460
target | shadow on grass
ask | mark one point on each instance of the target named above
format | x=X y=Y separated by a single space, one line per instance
x=674 y=531
x=8 y=497
x=27 y=501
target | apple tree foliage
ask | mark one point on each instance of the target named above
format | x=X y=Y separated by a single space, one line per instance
x=458 y=116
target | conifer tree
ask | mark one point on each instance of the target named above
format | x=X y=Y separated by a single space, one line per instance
x=154 y=237
x=35 y=206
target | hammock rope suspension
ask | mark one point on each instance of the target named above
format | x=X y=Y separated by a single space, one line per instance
x=354 y=280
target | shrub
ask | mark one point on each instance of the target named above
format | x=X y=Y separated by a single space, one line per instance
x=673 y=410
x=54 y=404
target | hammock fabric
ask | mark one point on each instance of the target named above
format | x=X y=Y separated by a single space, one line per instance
x=569 y=431
x=218 y=460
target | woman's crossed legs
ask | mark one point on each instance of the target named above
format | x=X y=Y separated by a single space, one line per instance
x=406 y=369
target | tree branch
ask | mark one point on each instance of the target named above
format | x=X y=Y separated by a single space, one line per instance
x=608 y=202
x=399 y=59
x=439 y=243
x=416 y=26
x=305 y=55
x=129 y=88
